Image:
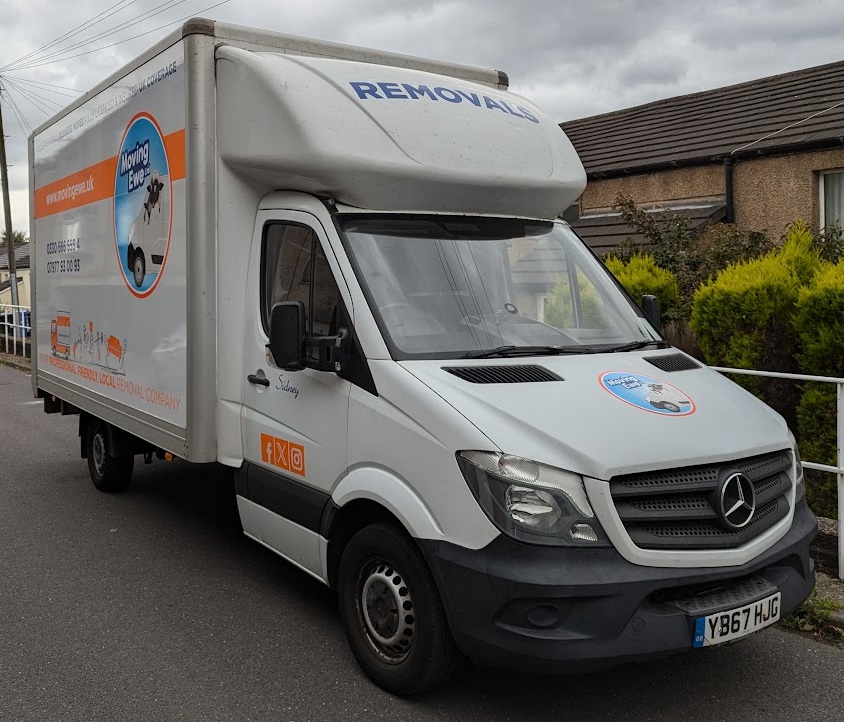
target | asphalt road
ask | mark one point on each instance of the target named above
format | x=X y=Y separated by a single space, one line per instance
x=151 y=605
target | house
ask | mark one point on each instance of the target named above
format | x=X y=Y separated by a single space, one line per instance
x=758 y=154
x=22 y=273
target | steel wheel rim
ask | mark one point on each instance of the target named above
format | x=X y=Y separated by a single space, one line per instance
x=385 y=611
x=98 y=452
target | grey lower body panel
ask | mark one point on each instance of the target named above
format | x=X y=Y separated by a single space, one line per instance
x=551 y=610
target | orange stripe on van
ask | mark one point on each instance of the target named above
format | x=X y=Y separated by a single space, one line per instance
x=96 y=182
x=175 y=146
x=92 y=184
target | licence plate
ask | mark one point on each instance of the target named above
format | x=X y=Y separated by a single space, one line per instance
x=735 y=623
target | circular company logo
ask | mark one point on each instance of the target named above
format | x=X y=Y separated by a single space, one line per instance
x=647 y=393
x=737 y=501
x=142 y=212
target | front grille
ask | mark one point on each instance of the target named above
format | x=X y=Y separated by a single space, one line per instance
x=679 y=508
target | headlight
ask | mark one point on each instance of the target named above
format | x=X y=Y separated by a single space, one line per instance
x=530 y=501
x=799 y=479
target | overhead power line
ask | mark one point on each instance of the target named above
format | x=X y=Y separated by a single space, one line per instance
x=34 y=94
x=126 y=40
x=34 y=102
x=79 y=28
x=157 y=10
x=46 y=87
x=25 y=127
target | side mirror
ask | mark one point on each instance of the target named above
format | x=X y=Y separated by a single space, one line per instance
x=287 y=335
x=650 y=305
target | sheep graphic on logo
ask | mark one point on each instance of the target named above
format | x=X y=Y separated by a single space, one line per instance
x=142 y=213
x=646 y=393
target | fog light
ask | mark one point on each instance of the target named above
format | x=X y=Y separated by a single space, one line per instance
x=543 y=617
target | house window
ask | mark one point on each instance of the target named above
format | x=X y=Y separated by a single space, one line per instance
x=832 y=198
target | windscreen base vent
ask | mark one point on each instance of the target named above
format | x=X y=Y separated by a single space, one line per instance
x=673 y=362
x=502 y=374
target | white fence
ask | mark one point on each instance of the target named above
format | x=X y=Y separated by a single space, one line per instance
x=839 y=423
x=16 y=329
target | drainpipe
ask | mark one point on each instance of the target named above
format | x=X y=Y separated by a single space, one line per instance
x=728 y=190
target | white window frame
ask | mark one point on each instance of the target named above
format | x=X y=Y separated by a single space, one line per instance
x=540 y=306
x=821 y=193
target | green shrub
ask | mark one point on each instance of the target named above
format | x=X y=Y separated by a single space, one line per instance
x=640 y=276
x=816 y=415
x=559 y=310
x=693 y=258
x=744 y=317
x=744 y=310
x=799 y=254
x=830 y=243
x=819 y=322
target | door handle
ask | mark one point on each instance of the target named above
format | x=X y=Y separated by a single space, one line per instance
x=258 y=380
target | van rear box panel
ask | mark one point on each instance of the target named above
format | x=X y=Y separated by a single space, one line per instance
x=110 y=211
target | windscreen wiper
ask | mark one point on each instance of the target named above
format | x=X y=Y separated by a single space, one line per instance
x=506 y=351
x=633 y=345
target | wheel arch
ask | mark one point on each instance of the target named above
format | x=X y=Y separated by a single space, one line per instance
x=368 y=497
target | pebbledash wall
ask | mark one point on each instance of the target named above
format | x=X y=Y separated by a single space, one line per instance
x=769 y=193
x=664 y=186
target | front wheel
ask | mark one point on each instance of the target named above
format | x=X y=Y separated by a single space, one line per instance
x=109 y=473
x=392 y=613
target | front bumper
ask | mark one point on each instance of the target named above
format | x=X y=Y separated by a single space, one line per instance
x=544 y=609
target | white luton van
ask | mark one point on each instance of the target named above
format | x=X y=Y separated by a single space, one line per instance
x=342 y=274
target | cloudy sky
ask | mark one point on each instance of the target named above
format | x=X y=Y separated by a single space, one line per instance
x=574 y=57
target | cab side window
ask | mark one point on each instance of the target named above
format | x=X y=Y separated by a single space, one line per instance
x=294 y=268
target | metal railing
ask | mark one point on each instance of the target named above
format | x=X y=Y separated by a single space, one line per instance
x=839 y=424
x=16 y=329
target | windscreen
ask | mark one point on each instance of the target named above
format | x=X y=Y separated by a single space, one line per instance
x=451 y=287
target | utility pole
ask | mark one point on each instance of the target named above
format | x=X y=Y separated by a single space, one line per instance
x=10 y=240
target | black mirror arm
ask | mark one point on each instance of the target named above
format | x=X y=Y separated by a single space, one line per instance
x=332 y=351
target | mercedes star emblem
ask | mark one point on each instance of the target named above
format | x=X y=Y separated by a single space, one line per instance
x=738 y=501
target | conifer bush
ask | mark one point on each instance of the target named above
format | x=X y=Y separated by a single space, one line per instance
x=744 y=317
x=640 y=276
x=819 y=324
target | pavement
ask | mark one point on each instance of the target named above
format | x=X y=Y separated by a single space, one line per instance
x=20 y=363
x=151 y=605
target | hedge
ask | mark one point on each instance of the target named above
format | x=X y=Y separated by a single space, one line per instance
x=640 y=275
x=744 y=317
x=819 y=323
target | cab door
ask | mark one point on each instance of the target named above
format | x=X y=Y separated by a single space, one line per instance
x=294 y=424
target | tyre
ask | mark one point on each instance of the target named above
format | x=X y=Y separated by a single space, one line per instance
x=392 y=612
x=139 y=268
x=668 y=406
x=109 y=473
